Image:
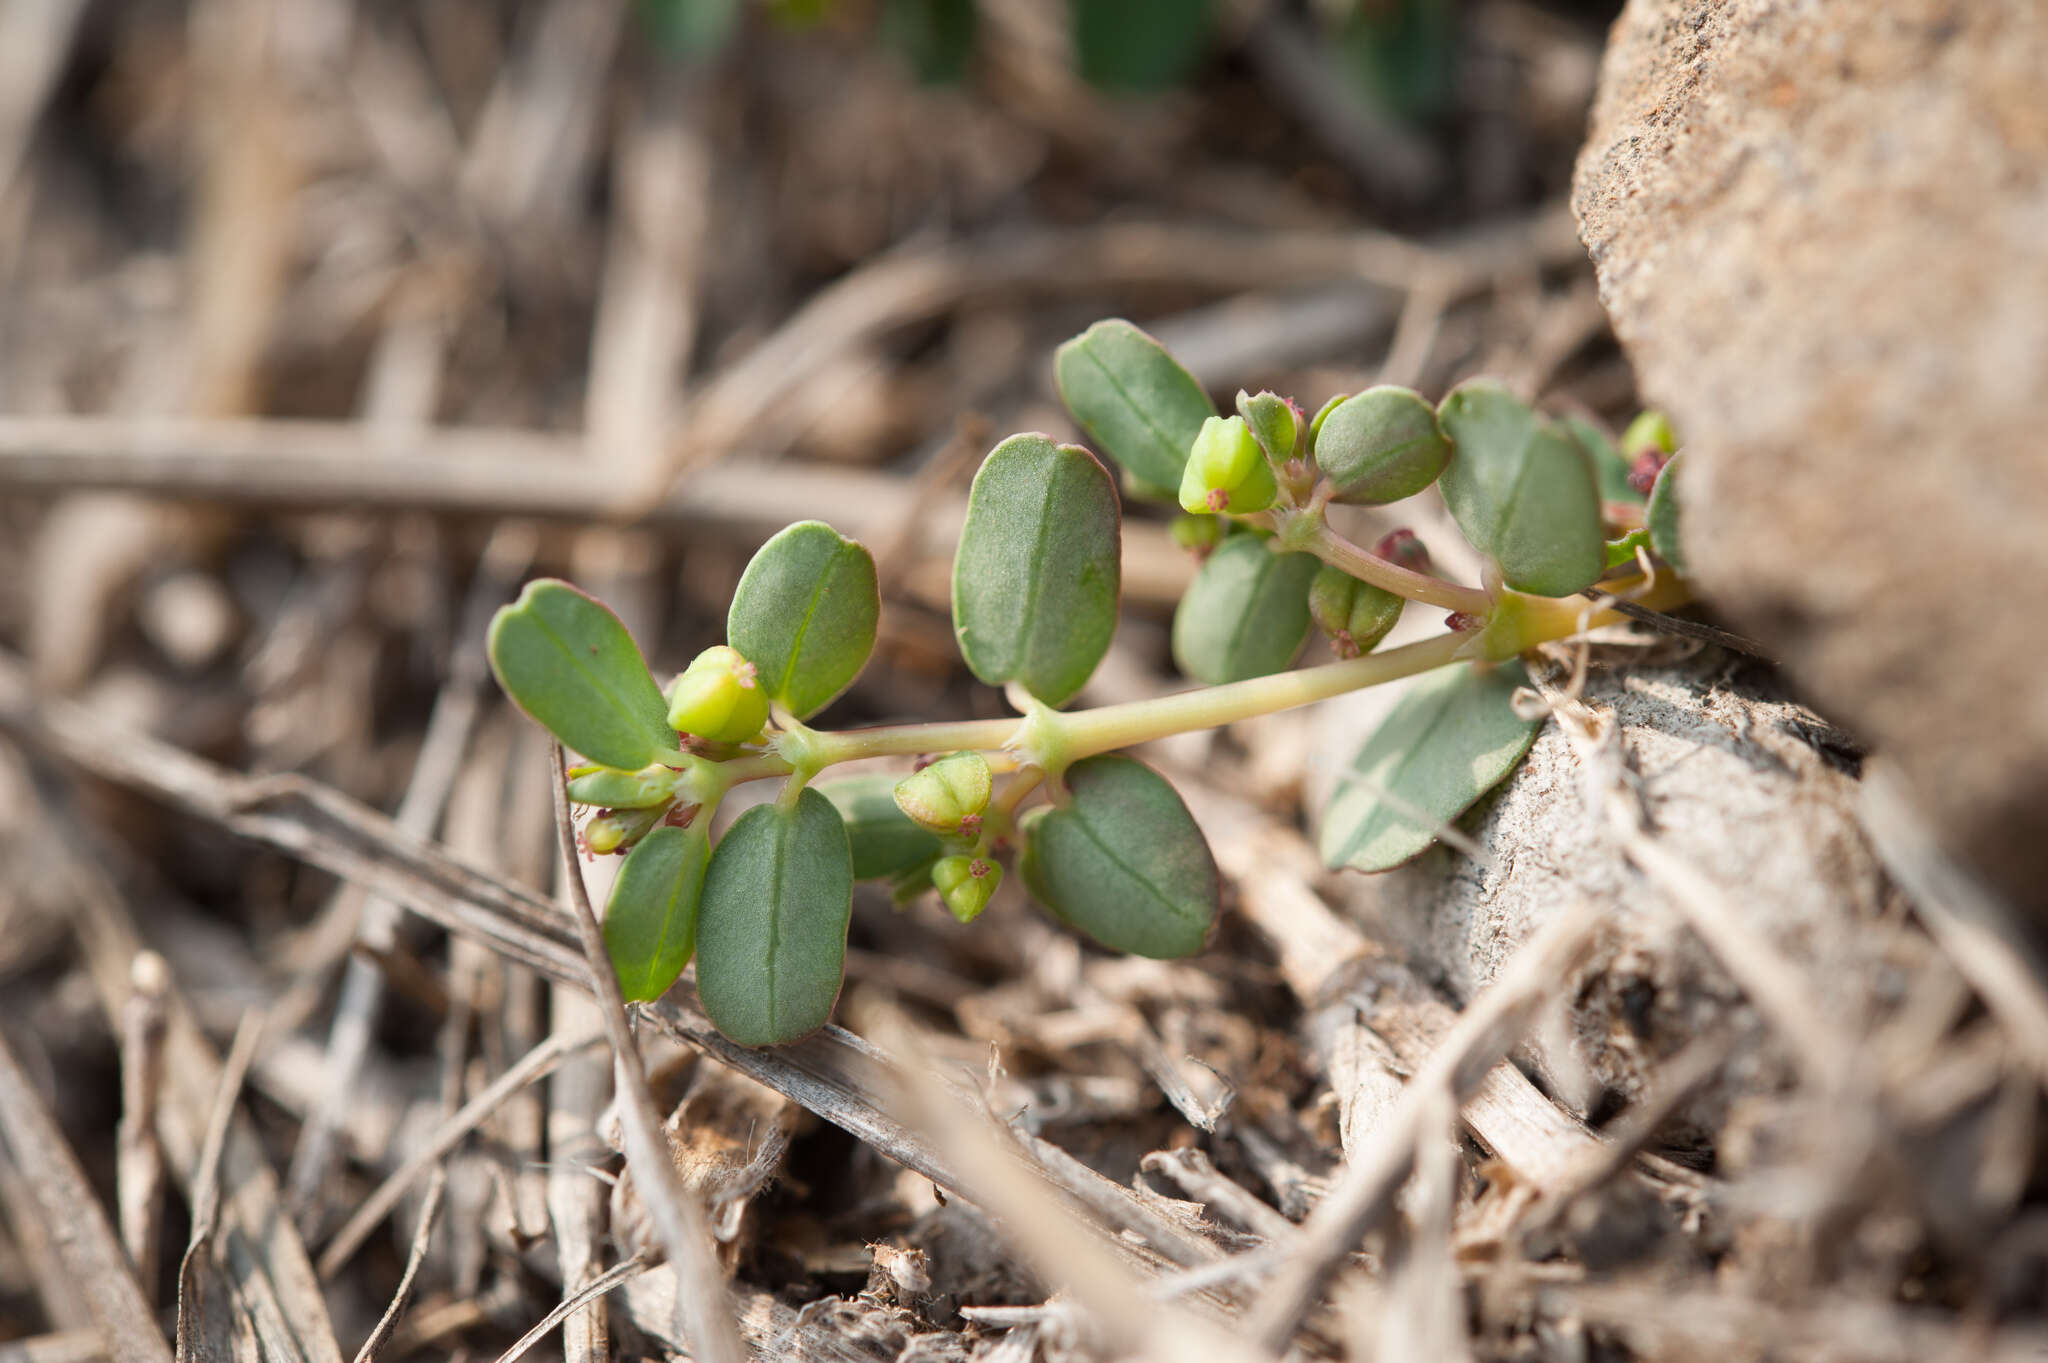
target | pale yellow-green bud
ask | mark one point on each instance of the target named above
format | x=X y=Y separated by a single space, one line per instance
x=1356 y=615
x=1226 y=471
x=949 y=795
x=966 y=884
x=1650 y=430
x=719 y=698
x=616 y=830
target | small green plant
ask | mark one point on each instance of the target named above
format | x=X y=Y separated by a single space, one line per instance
x=1098 y=838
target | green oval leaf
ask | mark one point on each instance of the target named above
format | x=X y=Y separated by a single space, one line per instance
x=568 y=662
x=1245 y=614
x=1380 y=446
x=1134 y=400
x=1122 y=860
x=650 y=921
x=1139 y=46
x=1036 y=575
x=1274 y=421
x=1660 y=517
x=935 y=38
x=1452 y=738
x=1610 y=470
x=1522 y=491
x=771 y=934
x=883 y=839
x=692 y=28
x=805 y=614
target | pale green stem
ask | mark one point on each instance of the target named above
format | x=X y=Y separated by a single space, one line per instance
x=829 y=747
x=1051 y=739
x=1001 y=815
x=1333 y=549
x=1014 y=790
x=739 y=770
x=911 y=740
x=1088 y=732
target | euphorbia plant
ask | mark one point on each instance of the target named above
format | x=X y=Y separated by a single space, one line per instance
x=1099 y=839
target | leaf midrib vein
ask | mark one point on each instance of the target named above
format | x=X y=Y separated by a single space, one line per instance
x=1245 y=618
x=1144 y=419
x=1034 y=580
x=668 y=920
x=1382 y=809
x=803 y=628
x=596 y=679
x=1118 y=862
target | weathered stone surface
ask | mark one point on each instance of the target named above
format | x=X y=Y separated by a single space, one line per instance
x=1741 y=785
x=1821 y=230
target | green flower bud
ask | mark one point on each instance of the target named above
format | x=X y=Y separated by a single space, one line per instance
x=966 y=884
x=616 y=830
x=1380 y=446
x=1198 y=534
x=1356 y=615
x=1274 y=421
x=610 y=788
x=718 y=698
x=1227 y=471
x=947 y=796
x=1650 y=430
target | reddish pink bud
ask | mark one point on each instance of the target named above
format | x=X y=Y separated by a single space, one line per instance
x=1217 y=499
x=1404 y=547
x=1458 y=622
x=970 y=825
x=1343 y=645
x=1642 y=474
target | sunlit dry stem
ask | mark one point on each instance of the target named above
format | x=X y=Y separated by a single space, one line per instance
x=676 y=1215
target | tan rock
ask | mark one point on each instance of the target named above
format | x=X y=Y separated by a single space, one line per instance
x=1821 y=230
x=1735 y=783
